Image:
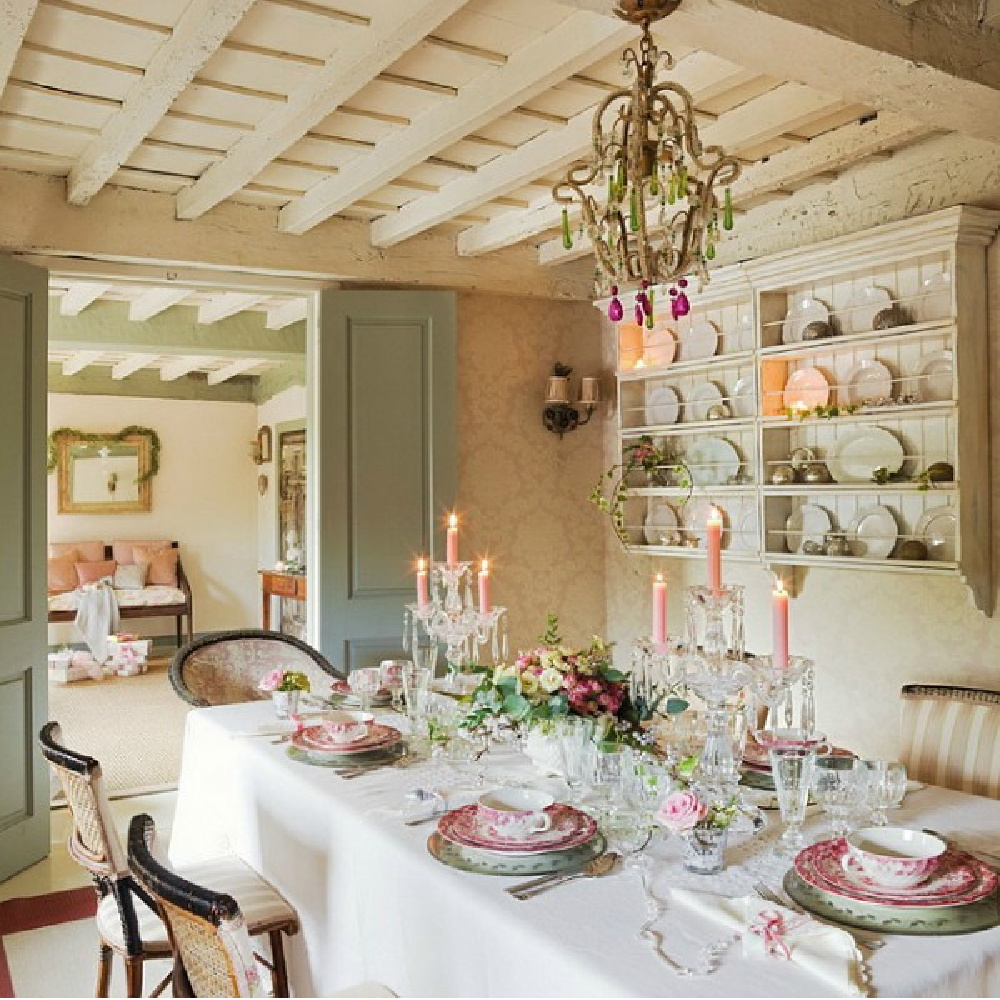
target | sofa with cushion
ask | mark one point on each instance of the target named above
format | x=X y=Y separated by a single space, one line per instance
x=147 y=577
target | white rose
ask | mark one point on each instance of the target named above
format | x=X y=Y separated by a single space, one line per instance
x=551 y=660
x=550 y=680
x=529 y=684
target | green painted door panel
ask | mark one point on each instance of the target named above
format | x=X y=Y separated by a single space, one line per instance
x=386 y=454
x=24 y=784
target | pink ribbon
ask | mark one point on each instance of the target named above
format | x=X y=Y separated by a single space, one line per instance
x=771 y=926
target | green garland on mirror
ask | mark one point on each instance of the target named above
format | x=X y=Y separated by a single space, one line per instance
x=126 y=432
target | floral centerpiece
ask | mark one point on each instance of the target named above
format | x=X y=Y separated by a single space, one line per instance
x=285 y=688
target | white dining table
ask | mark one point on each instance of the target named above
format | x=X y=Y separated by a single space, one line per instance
x=376 y=906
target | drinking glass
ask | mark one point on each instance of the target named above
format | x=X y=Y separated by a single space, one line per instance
x=573 y=737
x=792 y=768
x=365 y=683
x=608 y=764
x=416 y=681
x=838 y=783
x=895 y=776
x=392 y=678
x=882 y=790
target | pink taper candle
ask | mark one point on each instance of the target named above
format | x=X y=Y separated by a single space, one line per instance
x=659 y=610
x=423 y=587
x=452 y=540
x=484 y=589
x=779 y=627
x=714 y=528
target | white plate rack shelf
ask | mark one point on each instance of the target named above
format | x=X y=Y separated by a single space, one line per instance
x=865 y=358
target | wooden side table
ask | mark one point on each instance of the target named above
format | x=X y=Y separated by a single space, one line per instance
x=281 y=585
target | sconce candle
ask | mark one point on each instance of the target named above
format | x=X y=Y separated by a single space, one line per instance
x=659 y=634
x=779 y=627
x=452 y=540
x=485 y=605
x=590 y=390
x=714 y=535
x=423 y=586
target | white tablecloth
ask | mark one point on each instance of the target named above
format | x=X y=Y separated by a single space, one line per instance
x=374 y=905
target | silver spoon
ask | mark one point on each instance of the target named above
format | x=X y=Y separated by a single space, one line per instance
x=603 y=864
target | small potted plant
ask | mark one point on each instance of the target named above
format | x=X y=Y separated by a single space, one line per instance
x=285 y=688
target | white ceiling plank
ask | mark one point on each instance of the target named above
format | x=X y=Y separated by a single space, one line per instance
x=232 y=370
x=548 y=59
x=511 y=228
x=80 y=295
x=284 y=315
x=200 y=31
x=182 y=366
x=347 y=71
x=131 y=364
x=79 y=361
x=15 y=16
x=227 y=304
x=154 y=301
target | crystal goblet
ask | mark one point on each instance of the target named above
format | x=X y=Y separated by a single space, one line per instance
x=573 y=737
x=838 y=782
x=365 y=683
x=392 y=679
x=792 y=768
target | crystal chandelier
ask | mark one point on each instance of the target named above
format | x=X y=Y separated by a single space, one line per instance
x=648 y=153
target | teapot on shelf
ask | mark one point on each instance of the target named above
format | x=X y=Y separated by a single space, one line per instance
x=809 y=468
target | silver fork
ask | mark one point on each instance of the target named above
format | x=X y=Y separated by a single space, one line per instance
x=870 y=942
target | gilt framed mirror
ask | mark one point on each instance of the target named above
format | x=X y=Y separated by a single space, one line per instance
x=103 y=475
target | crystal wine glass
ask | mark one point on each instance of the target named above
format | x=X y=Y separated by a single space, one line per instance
x=573 y=736
x=838 y=782
x=392 y=678
x=792 y=768
x=416 y=681
x=881 y=791
x=365 y=683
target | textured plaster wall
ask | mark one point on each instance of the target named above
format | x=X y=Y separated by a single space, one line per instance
x=868 y=632
x=522 y=492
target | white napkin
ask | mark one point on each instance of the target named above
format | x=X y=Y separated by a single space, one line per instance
x=827 y=952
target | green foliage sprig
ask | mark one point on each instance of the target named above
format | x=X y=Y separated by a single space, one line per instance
x=133 y=430
x=821 y=412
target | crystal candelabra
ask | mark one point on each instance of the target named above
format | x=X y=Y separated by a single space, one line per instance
x=451 y=617
x=773 y=683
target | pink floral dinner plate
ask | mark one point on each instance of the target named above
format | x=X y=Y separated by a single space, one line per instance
x=569 y=829
x=315 y=739
x=756 y=756
x=958 y=880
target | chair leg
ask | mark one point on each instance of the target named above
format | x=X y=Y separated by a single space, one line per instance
x=279 y=976
x=103 y=972
x=133 y=976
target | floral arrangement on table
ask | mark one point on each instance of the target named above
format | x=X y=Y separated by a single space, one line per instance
x=658 y=462
x=283 y=680
x=553 y=681
x=686 y=809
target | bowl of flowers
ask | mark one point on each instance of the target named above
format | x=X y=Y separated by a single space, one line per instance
x=285 y=688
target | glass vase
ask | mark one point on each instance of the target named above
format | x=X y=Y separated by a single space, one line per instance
x=704 y=849
x=286 y=703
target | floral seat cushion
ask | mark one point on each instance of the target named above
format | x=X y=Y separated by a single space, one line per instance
x=147 y=597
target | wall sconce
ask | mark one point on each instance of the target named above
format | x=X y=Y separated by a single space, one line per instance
x=262 y=446
x=561 y=415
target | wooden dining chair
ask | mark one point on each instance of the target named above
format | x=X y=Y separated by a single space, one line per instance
x=950 y=736
x=213 y=957
x=223 y=668
x=127 y=919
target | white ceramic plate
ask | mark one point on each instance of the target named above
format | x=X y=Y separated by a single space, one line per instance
x=806 y=387
x=742 y=339
x=873 y=532
x=868 y=381
x=937 y=373
x=662 y=405
x=700 y=340
x=703 y=398
x=862 y=308
x=936 y=529
x=695 y=518
x=854 y=457
x=804 y=311
x=712 y=461
x=746 y=534
x=659 y=345
x=744 y=398
x=808 y=523
x=935 y=298
x=660 y=518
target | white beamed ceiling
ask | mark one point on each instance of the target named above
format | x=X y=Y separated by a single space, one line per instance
x=368 y=109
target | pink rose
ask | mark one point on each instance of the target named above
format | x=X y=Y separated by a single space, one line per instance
x=681 y=811
x=271 y=681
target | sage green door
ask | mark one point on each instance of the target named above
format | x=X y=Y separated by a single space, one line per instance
x=384 y=436
x=24 y=785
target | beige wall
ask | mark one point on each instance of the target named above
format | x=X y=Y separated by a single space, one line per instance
x=521 y=490
x=868 y=632
x=204 y=496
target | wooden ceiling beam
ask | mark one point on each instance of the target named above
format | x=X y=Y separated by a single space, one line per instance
x=284 y=315
x=198 y=34
x=346 y=72
x=15 y=16
x=549 y=58
x=232 y=370
x=154 y=301
x=80 y=360
x=227 y=304
x=182 y=366
x=131 y=364
x=80 y=295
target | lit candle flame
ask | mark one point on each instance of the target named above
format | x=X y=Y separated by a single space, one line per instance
x=453 y=520
x=485 y=566
x=659 y=578
x=779 y=585
x=714 y=516
x=421 y=565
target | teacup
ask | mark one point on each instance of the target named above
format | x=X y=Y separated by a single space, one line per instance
x=346 y=727
x=892 y=856
x=513 y=813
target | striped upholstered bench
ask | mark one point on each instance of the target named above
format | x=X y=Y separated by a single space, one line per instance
x=950 y=736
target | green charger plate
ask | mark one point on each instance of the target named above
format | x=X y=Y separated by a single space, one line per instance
x=351 y=762
x=468 y=859
x=893 y=919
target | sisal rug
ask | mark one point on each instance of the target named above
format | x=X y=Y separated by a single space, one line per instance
x=48 y=948
x=133 y=725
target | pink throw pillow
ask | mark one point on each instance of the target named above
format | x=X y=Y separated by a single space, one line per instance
x=62 y=574
x=162 y=565
x=83 y=551
x=91 y=572
x=123 y=551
